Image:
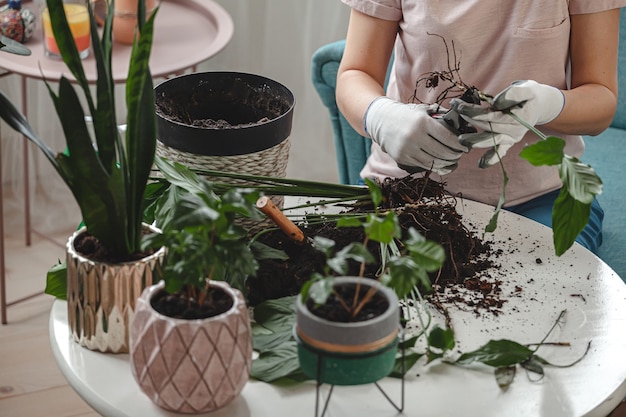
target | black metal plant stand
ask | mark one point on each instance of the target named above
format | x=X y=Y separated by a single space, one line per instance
x=322 y=354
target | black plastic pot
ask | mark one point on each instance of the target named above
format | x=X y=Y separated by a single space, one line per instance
x=258 y=112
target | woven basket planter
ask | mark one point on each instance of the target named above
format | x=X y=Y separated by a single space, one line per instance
x=225 y=121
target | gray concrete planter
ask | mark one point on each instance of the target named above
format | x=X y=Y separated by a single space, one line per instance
x=348 y=353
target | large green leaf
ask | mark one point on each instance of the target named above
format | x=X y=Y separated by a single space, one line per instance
x=272 y=335
x=498 y=353
x=545 y=152
x=141 y=128
x=569 y=218
x=580 y=179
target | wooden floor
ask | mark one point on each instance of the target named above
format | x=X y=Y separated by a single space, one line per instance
x=31 y=385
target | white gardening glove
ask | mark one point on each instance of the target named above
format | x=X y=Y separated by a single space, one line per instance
x=412 y=137
x=534 y=103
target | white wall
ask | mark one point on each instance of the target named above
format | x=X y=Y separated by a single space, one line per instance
x=276 y=39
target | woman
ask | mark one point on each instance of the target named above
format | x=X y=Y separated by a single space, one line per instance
x=565 y=50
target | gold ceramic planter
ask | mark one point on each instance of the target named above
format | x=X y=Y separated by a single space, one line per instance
x=101 y=297
x=191 y=366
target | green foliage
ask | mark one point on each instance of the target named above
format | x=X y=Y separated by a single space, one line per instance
x=107 y=180
x=504 y=355
x=56 y=281
x=401 y=271
x=198 y=227
x=581 y=184
x=272 y=337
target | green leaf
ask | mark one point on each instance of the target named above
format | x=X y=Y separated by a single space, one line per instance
x=410 y=359
x=569 y=218
x=56 y=281
x=262 y=251
x=349 y=221
x=323 y=244
x=493 y=222
x=534 y=365
x=545 y=152
x=272 y=336
x=505 y=375
x=441 y=339
x=404 y=274
x=497 y=353
x=427 y=254
x=320 y=292
x=375 y=191
x=382 y=229
x=580 y=180
x=276 y=315
x=279 y=363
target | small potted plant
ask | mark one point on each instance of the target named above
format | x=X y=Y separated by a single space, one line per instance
x=348 y=328
x=190 y=339
x=107 y=176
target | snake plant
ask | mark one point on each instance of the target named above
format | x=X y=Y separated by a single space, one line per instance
x=106 y=174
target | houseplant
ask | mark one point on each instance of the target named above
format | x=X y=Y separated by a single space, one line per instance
x=107 y=176
x=348 y=328
x=190 y=339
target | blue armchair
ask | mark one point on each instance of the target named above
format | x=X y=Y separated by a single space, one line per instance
x=351 y=148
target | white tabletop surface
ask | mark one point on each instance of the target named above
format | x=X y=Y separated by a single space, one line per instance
x=593 y=295
x=186 y=33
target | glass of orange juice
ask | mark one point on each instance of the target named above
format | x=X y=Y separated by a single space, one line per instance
x=78 y=19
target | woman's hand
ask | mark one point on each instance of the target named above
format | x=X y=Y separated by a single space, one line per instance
x=412 y=137
x=530 y=101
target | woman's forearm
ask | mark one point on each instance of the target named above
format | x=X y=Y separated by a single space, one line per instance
x=355 y=91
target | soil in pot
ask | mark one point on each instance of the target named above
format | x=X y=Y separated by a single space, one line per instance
x=242 y=105
x=91 y=248
x=180 y=306
x=334 y=309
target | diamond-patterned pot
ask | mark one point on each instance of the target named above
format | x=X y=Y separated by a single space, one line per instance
x=191 y=366
x=101 y=296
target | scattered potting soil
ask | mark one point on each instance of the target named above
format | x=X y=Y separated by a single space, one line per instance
x=181 y=306
x=420 y=203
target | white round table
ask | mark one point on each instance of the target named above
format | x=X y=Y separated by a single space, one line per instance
x=536 y=285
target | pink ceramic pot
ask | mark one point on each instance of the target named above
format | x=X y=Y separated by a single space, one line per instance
x=191 y=366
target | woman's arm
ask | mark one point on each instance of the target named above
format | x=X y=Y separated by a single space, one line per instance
x=361 y=75
x=591 y=102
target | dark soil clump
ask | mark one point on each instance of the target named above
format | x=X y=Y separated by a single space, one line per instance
x=419 y=203
x=91 y=248
x=232 y=103
x=181 y=306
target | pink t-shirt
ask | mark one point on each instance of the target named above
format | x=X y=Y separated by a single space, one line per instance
x=496 y=42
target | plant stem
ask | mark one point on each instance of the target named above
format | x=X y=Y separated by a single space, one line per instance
x=526 y=124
